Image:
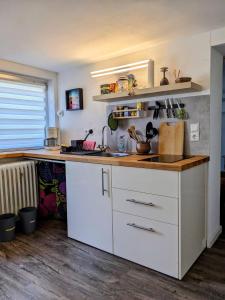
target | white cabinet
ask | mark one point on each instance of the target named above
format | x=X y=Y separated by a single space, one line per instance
x=155 y=218
x=89 y=204
x=159 y=217
x=146 y=242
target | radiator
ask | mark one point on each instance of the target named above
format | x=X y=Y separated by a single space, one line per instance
x=18 y=186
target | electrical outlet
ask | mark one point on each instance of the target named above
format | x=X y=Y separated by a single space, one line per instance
x=194 y=132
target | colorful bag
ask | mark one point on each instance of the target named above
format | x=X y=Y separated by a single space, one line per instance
x=52 y=190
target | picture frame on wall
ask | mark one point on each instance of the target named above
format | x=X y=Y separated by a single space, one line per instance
x=74 y=99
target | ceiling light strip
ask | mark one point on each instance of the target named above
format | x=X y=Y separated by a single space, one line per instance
x=121 y=67
x=121 y=70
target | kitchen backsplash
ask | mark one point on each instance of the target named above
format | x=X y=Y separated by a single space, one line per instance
x=198 y=109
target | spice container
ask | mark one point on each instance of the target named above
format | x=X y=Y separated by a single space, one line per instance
x=140 y=105
x=126 y=112
x=120 y=107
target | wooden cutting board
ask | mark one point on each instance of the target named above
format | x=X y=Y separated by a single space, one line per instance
x=171 y=138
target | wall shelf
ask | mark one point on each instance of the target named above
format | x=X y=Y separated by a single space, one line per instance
x=140 y=113
x=176 y=88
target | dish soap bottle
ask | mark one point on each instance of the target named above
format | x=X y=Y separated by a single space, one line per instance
x=121 y=143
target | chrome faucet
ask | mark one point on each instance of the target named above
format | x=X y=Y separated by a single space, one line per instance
x=104 y=147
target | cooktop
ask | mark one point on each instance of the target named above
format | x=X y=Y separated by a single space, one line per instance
x=166 y=158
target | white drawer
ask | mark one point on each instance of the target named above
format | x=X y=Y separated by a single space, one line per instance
x=153 y=244
x=156 y=182
x=154 y=207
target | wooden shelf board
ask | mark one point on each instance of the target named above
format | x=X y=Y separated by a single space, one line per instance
x=176 y=88
x=129 y=117
x=125 y=110
x=143 y=114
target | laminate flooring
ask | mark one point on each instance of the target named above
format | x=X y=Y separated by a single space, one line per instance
x=48 y=265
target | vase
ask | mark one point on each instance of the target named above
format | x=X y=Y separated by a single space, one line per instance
x=164 y=80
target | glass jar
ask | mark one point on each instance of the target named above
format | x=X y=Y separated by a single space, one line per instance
x=132 y=83
x=122 y=84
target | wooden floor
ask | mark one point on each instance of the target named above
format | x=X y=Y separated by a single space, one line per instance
x=47 y=265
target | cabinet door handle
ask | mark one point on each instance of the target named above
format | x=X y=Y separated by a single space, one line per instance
x=103 y=184
x=140 y=202
x=141 y=227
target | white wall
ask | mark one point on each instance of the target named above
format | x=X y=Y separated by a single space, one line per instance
x=191 y=55
x=214 y=228
x=217 y=37
x=74 y=123
x=51 y=77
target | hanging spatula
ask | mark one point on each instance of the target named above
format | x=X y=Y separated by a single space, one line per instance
x=151 y=132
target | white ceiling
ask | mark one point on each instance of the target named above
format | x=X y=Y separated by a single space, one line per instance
x=54 y=34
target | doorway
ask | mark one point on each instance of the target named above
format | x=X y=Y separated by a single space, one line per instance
x=222 y=193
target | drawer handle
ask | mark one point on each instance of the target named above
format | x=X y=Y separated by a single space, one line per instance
x=140 y=202
x=141 y=227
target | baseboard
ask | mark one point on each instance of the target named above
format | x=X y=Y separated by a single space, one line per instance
x=214 y=237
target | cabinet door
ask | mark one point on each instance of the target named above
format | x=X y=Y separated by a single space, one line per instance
x=89 y=204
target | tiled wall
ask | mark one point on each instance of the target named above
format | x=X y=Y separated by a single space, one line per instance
x=198 y=110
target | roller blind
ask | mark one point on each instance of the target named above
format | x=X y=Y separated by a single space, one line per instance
x=22 y=114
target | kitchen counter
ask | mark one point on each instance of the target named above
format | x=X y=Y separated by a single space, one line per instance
x=128 y=161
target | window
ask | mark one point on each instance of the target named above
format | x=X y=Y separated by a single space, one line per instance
x=22 y=114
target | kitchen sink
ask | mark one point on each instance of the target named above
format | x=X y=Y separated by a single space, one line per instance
x=109 y=154
x=95 y=153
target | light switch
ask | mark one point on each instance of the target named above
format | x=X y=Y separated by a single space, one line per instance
x=194 y=132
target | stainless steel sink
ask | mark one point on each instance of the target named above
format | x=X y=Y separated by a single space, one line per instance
x=109 y=154
x=96 y=153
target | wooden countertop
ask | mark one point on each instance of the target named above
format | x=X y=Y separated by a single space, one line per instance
x=128 y=161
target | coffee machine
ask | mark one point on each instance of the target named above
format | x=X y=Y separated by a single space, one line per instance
x=51 y=142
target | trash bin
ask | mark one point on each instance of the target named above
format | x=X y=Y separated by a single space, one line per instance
x=28 y=219
x=7 y=227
